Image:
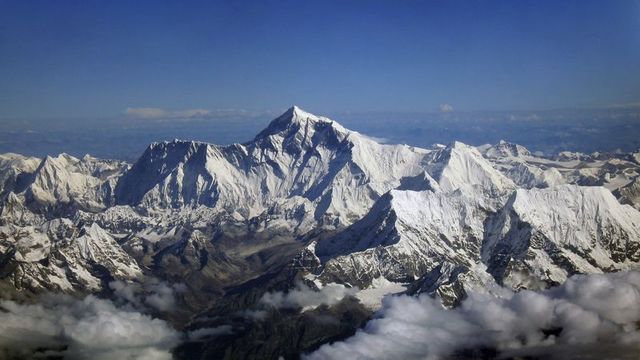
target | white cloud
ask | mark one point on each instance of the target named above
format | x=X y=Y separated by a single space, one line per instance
x=586 y=310
x=306 y=298
x=446 y=108
x=152 y=293
x=82 y=329
x=162 y=297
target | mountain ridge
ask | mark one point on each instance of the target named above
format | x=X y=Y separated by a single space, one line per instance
x=308 y=201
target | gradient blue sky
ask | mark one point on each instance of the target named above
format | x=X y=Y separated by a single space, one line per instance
x=94 y=59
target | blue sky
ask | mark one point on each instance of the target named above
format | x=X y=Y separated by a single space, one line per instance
x=96 y=59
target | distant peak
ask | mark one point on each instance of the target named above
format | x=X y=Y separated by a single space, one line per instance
x=458 y=145
x=507 y=149
x=61 y=158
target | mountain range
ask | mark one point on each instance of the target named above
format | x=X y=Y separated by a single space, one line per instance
x=308 y=203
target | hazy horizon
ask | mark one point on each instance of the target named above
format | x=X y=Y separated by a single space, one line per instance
x=126 y=137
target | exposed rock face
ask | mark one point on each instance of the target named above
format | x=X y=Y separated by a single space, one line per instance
x=630 y=194
x=15 y=172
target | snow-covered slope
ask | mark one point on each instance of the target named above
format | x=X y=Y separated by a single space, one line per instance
x=611 y=170
x=62 y=184
x=550 y=234
x=406 y=234
x=456 y=240
x=299 y=157
x=518 y=164
x=459 y=165
x=504 y=149
x=85 y=182
x=60 y=256
x=15 y=170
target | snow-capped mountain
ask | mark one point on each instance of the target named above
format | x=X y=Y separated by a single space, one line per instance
x=299 y=161
x=459 y=165
x=60 y=185
x=15 y=170
x=60 y=256
x=406 y=234
x=308 y=194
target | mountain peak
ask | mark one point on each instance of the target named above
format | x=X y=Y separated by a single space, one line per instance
x=295 y=119
x=295 y=114
x=505 y=149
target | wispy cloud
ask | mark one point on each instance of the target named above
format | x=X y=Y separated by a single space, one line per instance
x=152 y=113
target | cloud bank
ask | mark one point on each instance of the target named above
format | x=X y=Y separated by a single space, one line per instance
x=585 y=310
x=82 y=329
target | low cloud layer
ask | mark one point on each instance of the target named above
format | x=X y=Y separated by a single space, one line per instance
x=586 y=310
x=82 y=329
x=307 y=298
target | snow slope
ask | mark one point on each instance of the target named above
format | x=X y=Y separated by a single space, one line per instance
x=298 y=158
x=553 y=233
x=406 y=234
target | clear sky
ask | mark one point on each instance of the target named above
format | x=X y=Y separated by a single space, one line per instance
x=95 y=59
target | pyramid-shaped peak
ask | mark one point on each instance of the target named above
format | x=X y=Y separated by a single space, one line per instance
x=294 y=119
x=296 y=113
x=296 y=109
